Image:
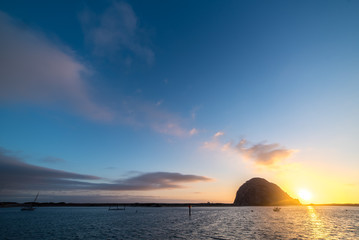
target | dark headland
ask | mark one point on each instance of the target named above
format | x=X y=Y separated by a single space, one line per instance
x=260 y=192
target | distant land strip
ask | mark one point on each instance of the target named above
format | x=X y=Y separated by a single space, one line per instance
x=64 y=204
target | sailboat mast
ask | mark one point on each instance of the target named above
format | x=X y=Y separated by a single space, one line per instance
x=36 y=197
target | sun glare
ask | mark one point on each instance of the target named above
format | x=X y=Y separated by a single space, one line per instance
x=304 y=194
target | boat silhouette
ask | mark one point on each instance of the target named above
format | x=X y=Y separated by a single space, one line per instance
x=276 y=209
x=30 y=207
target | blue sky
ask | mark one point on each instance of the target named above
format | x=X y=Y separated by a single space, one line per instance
x=178 y=100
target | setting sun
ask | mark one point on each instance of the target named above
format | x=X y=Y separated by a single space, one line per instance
x=304 y=195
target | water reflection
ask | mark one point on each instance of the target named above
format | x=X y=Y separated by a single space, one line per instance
x=317 y=226
x=232 y=223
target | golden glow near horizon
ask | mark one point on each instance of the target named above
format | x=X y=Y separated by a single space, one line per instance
x=304 y=195
x=318 y=180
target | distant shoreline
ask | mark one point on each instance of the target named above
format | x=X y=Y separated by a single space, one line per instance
x=63 y=204
x=333 y=204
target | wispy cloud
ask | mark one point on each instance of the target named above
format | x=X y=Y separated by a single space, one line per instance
x=154 y=180
x=214 y=143
x=16 y=175
x=116 y=31
x=261 y=153
x=37 y=70
x=194 y=112
x=34 y=68
x=218 y=134
x=147 y=114
x=193 y=131
x=264 y=154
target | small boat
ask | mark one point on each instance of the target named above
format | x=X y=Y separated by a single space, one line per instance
x=30 y=207
x=276 y=209
x=116 y=208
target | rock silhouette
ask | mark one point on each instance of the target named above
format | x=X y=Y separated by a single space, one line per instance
x=260 y=192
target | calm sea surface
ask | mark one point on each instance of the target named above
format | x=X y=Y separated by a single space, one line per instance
x=174 y=223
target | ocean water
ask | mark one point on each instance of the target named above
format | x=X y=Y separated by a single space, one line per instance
x=304 y=222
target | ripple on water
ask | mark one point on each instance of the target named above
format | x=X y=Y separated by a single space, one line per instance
x=174 y=223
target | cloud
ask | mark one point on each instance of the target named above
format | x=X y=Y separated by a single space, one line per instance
x=264 y=154
x=116 y=31
x=34 y=68
x=261 y=153
x=218 y=134
x=170 y=128
x=147 y=114
x=18 y=176
x=193 y=131
x=194 y=112
x=154 y=180
x=214 y=143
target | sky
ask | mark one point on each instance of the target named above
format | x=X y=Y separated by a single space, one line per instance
x=178 y=101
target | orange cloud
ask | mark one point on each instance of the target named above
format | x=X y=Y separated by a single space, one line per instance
x=261 y=154
x=264 y=154
x=218 y=134
x=214 y=143
x=193 y=131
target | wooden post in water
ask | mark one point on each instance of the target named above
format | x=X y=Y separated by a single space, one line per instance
x=189 y=209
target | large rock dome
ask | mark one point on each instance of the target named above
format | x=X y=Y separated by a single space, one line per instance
x=260 y=192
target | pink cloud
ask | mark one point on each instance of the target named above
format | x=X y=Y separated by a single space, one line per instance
x=193 y=131
x=264 y=154
x=261 y=153
x=214 y=143
x=218 y=134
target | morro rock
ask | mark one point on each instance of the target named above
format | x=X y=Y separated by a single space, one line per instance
x=260 y=192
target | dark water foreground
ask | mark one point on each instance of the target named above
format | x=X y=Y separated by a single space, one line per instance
x=302 y=222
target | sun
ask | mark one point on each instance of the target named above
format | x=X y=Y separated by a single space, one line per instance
x=304 y=194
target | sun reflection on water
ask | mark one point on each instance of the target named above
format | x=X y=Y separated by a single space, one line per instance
x=317 y=226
